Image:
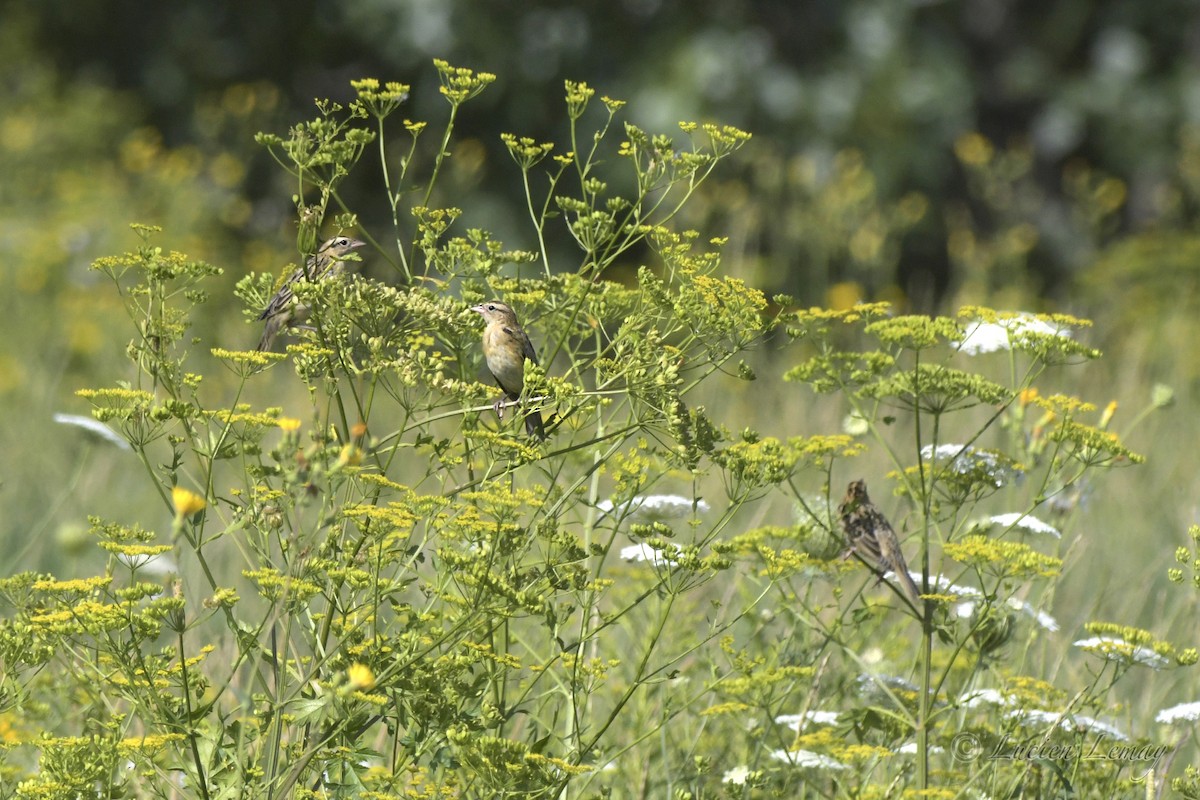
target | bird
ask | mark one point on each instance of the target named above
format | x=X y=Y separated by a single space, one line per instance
x=505 y=348
x=284 y=310
x=872 y=538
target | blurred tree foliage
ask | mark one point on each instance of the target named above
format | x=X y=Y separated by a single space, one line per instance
x=857 y=106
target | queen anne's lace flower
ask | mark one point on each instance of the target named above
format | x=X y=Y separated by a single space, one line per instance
x=1184 y=712
x=1026 y=522
x=799 y=722
x=1068 y=722
x=644 y=552
x=988 y=337
x=807 y=758
x=1113 y=648
x=655 y=507
x=737 y=776
x=971 y=461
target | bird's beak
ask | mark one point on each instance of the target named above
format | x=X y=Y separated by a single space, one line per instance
x=477 y=309
x=357 y=243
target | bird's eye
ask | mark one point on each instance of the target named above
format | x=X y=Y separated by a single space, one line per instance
x=343 y=241
x=491 y=307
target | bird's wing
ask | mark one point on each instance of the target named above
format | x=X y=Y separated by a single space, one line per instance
x=527 y=346
x=315 y=267
x=281 y=298
x=518 y=335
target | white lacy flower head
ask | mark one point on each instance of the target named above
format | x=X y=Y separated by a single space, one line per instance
x=1068 y=722
x=799 y=722
x=983 y=697
x=95 y=428
x=1184 y=712
x=1025 y=522
x=940 y=584
x=159 y=565
x=989 y=337
x=965 y=460
x=869 y=684
x=655 y=507
x=855 y=425
x=644 y=552
x=737 y=776
x=1085 y=723
x=967 y=609
x=1043 y=619
x=807 y=758
x=1113 y=648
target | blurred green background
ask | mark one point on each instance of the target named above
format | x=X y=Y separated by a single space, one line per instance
x=1025 y=156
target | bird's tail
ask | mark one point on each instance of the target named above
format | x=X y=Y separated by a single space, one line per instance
x=270 y=331
x=907 y=585
x=534 y=425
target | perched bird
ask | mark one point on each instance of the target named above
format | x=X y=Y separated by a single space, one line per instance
x=505 y=348
x=284 y=310
x=871 y=536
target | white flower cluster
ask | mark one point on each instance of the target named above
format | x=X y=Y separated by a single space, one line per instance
x=644 y=552
x=799 y=722
x=969 y=460
x=1113 y=648
x=989 y=337
x=1025 y=522
x=654 y=507
x=808 y=759
x=1068 y=722
x=1045 y=621
x=1184 y=712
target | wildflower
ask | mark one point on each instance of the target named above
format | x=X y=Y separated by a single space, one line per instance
x=989 y=337
x=855 y=425
x=1025 y=522
x=737 y=776
x=1113 y=648
x=1085 y=723
x=361 y=676
x=807 y=759
x=940 y=584
x=655 y=507
x=966 y=610
x=288 y=424
x=186 y=502
x=1107 y=415
x=910 y=749
x=644 y=552
x=1068 y=722
x=349 y=456
x=968 y=461
x=869 y=684
x=1043 y=619
x=980 y=697
x=94 y=427
x=1162 y=396
x=1184 y=712
x=151 y=564
x=799 y=722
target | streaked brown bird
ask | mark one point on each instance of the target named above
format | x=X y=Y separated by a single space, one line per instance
x=284 y=311
x=871 y=536
x=505 y=348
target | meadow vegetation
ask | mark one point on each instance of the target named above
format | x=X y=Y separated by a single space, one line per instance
x=333 y=571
